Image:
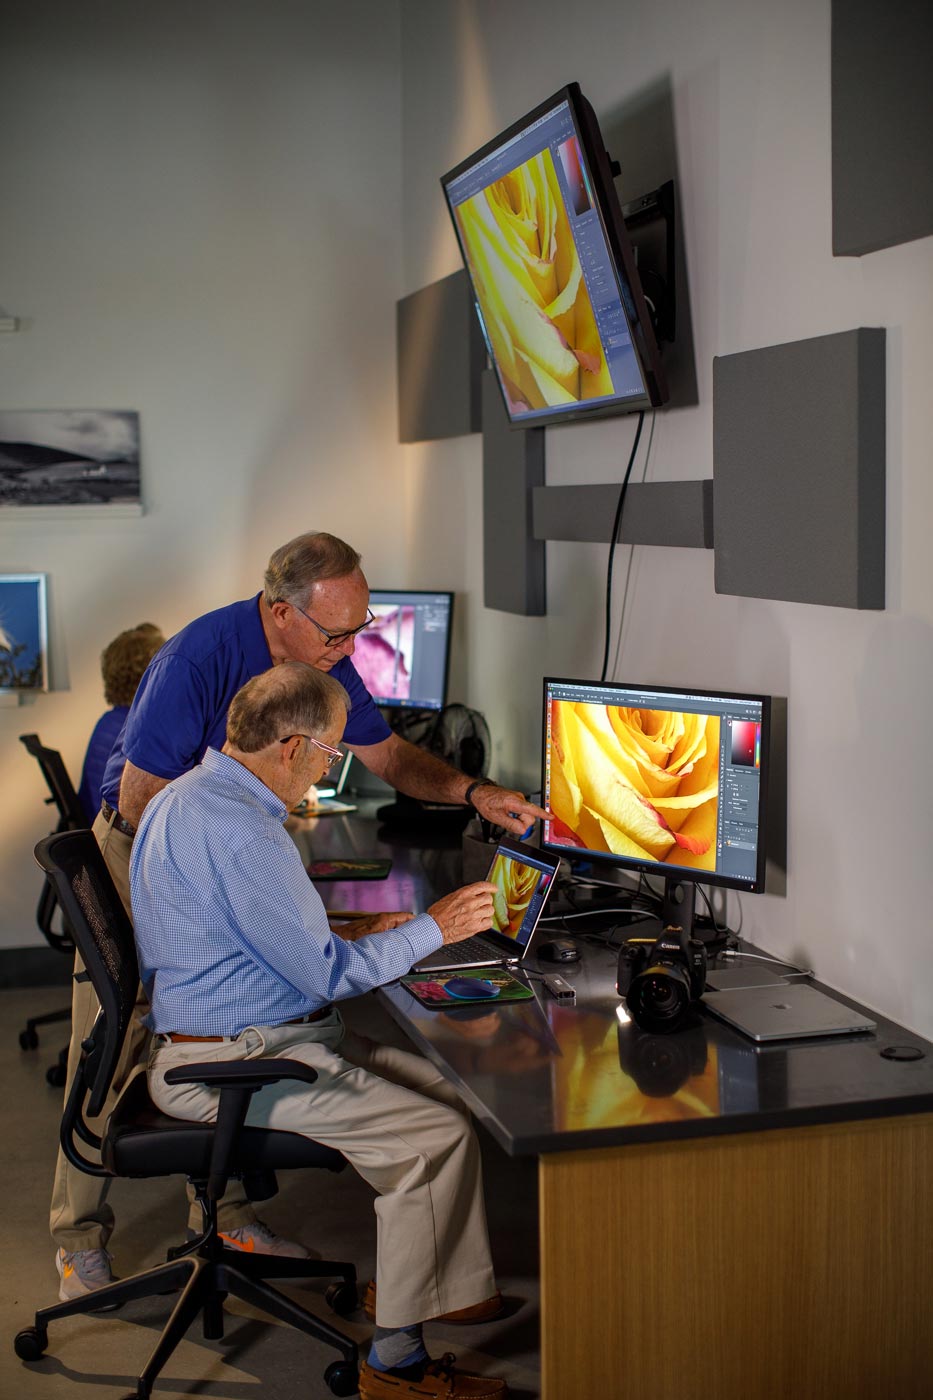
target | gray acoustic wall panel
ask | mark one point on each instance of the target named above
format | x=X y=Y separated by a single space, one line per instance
x=513 y=465
x=882 y=123
x=656 y=512
x=799 y=471
x=441 y=357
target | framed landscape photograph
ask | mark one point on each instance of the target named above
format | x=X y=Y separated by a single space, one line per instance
x=23 y=632
x=69 y=457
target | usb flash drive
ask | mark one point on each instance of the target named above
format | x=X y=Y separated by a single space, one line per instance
x=559 y=988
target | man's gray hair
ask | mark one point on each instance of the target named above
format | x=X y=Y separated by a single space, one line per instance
x=296 y=567
x=288 y=699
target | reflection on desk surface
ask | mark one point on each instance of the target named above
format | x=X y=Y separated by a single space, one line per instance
x=620 y=1074
x=489 y=1040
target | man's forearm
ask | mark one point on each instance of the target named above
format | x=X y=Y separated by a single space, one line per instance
x=418 y=773
x=136 y=788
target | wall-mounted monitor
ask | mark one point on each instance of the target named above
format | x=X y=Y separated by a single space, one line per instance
x=404 y=655
x=668 y=782
x=554 y=277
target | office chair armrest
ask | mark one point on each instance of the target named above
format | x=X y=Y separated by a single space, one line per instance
x=237 y=1082
x=244 y=1074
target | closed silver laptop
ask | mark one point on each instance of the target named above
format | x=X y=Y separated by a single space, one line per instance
x=790 y=1012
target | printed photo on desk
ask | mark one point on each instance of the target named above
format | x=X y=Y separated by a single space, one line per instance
x=375 y=869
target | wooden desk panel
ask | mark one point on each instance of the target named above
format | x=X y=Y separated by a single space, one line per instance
x=786 y=1265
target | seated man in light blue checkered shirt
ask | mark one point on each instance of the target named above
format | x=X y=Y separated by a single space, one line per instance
x=235 y=948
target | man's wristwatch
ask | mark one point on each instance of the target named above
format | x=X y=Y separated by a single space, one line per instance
x=478 y=783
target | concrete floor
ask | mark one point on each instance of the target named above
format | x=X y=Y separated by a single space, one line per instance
x=100 y=1357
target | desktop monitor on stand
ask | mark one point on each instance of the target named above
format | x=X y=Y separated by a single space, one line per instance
x=662 y=781
x=404 y=655
x=403 y=659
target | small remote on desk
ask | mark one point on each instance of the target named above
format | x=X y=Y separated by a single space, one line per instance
x=559 y=988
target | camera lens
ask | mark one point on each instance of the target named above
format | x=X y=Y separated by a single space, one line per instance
x=659 y=999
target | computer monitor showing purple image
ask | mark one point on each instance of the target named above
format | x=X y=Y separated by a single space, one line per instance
x=404 y=655
x=667 y=782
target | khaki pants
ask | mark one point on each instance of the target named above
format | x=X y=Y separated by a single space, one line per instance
x=398 y=1123
x=80 y=1217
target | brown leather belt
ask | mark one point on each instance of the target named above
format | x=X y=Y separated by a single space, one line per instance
x=177 y=1037
x=119 y=822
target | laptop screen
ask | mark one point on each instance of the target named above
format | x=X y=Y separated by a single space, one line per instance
x=522 y=883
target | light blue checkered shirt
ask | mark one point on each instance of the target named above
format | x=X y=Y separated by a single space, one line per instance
x=230 y=930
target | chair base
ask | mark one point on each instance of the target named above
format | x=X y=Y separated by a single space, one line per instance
x=29 y=1036
x=205 y=1280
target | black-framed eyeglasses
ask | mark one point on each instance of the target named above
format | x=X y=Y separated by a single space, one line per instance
x=337 y=639
x=333 y=755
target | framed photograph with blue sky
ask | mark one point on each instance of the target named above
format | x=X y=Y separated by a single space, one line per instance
x=23 y=632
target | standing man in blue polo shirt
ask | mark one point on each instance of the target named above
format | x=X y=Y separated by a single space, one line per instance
x=314 y=603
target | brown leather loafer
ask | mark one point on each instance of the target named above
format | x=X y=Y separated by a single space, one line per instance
x=486 y=1311
x=441 y=1381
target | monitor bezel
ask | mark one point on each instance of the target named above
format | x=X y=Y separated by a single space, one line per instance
x=673 y=874
x=612 y=222
x=395 y=705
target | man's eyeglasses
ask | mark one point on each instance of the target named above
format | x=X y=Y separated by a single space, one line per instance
x=333 y=755
x=337 y=639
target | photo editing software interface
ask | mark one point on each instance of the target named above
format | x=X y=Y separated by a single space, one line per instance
x=667 y=781
x=537 y=178
x=521 y=885
x=402 y=657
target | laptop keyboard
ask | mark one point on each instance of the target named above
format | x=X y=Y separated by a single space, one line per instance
x=466 y=951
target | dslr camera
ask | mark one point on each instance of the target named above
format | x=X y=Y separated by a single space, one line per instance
x=660 y=979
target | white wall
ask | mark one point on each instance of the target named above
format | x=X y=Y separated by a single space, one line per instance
x=751 y=88
x=201 y=221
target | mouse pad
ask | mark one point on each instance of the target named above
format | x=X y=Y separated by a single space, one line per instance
x=442 y=991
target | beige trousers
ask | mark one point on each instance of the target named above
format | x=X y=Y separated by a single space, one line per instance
x=398 y=1123
x=80 y=1217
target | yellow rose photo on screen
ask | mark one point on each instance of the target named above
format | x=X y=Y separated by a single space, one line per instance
x=515 y=885
x=635 y=782
x=529 y=283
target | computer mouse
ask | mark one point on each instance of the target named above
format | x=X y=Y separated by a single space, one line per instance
x=471 y=987
x=558 y=950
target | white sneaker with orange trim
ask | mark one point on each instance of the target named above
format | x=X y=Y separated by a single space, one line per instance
x=259 y=1239
x=81 y=1272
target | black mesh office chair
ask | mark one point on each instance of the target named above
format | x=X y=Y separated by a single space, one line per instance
x=71 y=817
x=139 y=1141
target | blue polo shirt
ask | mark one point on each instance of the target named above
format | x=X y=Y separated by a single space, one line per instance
x=180 y=709
x=100 y=745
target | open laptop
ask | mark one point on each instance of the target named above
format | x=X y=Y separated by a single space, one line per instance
x=523 y=877
x=331 y=798
x=790 y=1012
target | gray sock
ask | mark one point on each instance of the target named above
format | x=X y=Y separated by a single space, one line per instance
x=396 y=1346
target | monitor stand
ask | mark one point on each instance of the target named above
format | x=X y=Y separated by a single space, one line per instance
x=678 y=908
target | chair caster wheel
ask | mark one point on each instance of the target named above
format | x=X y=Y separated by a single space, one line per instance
x=30 y=1343
x=343 y=1300
x=342 y=1377
x=55 y=1076
x=28 y=1040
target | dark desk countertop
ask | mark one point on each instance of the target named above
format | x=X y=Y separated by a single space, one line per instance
x=545 y=1077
